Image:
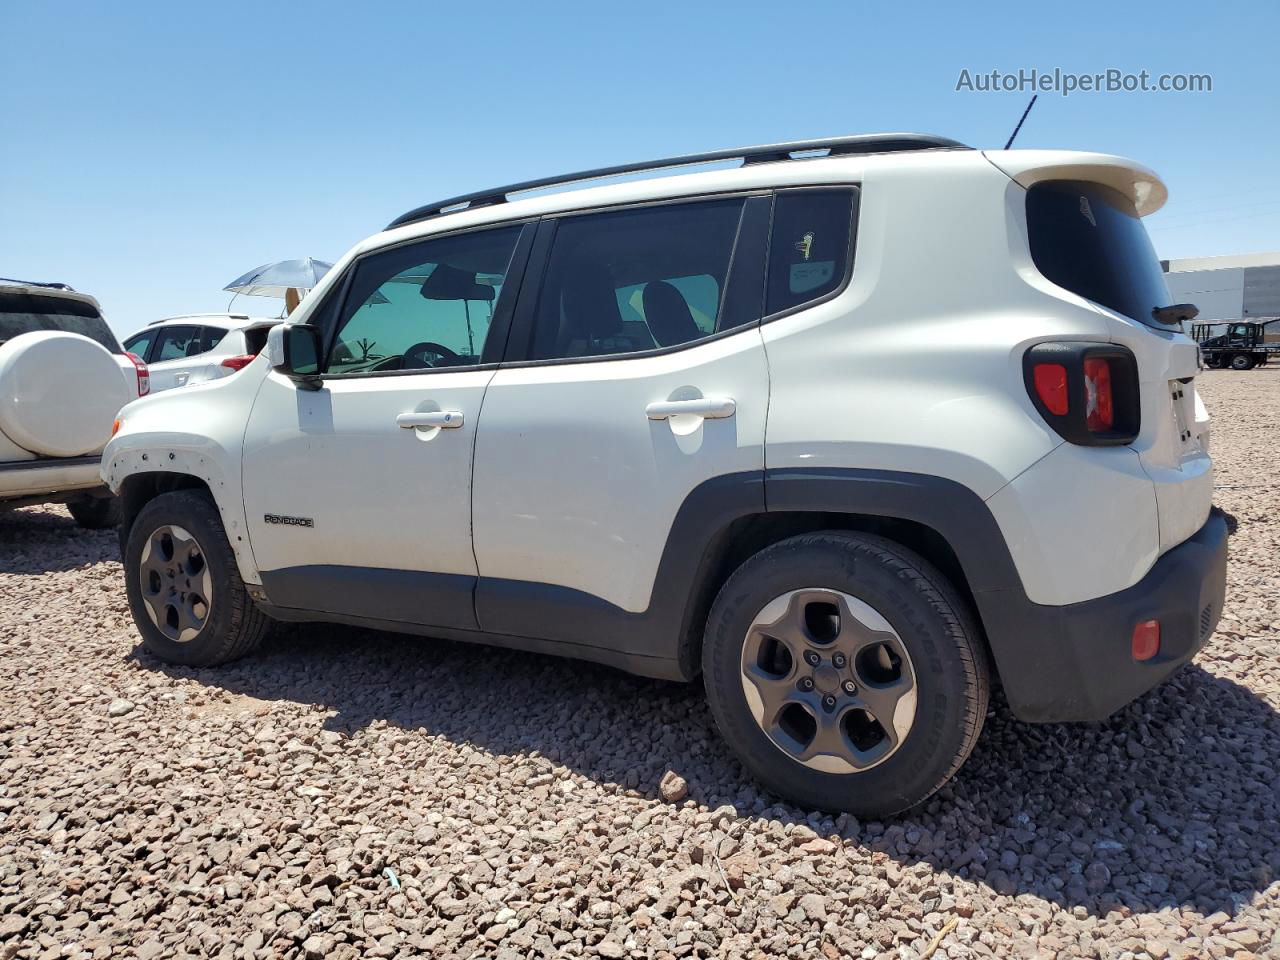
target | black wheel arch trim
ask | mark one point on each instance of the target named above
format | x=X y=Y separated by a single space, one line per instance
x=1041 y=653
x=669 y=629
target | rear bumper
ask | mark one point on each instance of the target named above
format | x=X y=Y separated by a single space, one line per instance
x=28 y=478
x=1074 y=662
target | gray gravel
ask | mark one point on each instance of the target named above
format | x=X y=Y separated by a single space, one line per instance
x=346 y=794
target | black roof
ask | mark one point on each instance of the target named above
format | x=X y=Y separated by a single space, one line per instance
x=765 y=153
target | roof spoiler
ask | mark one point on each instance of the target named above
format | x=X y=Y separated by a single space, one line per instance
x=1138 y=183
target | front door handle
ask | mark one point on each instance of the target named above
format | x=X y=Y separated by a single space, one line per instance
x=447 y=419
x=709 y=408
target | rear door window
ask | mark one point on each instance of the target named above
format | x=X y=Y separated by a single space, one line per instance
x=212 y=337
x=28 y=312
x=626 y=281
x=176 y=343
x=810 y=246
x=1089 y=239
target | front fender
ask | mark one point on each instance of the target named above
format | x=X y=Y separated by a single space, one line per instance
x=195 y=431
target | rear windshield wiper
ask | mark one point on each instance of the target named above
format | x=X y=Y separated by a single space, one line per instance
x=1175 y=313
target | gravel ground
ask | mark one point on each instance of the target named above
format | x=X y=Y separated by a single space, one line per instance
x=349 y=794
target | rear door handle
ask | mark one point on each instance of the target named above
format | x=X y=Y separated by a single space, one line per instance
x=709 y=408
x=447 y=419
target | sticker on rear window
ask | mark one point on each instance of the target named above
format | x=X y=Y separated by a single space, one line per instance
x=1087 y=211
x=810 y=276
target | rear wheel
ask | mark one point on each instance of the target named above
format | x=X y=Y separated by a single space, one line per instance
x=96 y=513
x=185 y=592
x=846 y=673
x=1242 y=361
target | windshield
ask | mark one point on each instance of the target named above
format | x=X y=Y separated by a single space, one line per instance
x=27 y=312
x=1089 y=239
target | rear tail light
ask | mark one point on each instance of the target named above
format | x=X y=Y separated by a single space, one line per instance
x=143 y=374
x=240 y=362
x=1051 y=387
x=1099 y=411
x=1087 y=392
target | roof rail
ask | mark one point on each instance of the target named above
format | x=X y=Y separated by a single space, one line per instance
x=197 y=316
x=766 y=153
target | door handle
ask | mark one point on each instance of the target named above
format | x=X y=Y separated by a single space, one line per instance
x=447 y=419
x=709 y=408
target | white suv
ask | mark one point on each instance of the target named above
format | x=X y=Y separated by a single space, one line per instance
x=198 y=347
x=844 y=429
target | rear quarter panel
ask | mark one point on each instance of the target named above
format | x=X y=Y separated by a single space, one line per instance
x=917 y=367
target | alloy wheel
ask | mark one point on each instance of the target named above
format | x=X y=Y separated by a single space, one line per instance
x=176 y=586
x=828 y=680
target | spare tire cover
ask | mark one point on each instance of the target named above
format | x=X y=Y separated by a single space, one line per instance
x=59 y=393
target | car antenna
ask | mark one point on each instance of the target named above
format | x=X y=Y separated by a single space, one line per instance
x=1020 y=122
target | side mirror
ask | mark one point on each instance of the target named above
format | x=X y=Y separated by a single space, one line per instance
x=294 y=350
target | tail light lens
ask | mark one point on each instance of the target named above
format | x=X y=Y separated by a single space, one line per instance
x=1100 y=410
x=1087 y=392
x=1051 y=387
x=240 y=362
x=143 y=374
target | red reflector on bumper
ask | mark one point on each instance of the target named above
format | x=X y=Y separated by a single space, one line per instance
x=1146 y=640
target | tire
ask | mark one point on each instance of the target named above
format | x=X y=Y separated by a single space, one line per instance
x=207 y=579
x=1242 y=361
x=887 y=588
x=96 y=513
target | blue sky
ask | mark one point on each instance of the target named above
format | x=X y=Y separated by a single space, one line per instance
x=155 y=151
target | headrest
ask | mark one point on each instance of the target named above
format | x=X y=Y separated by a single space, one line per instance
x=667 y=313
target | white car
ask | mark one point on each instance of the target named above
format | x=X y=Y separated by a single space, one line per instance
x=841 y=430
x=199 y=346
x=63 y=379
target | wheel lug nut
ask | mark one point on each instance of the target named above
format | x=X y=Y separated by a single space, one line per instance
x=839 y=660
x=811 y=658
x=829 y=701
x=850 y=687
x=805 y=683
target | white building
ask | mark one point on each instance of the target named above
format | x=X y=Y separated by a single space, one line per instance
x=1244 y=287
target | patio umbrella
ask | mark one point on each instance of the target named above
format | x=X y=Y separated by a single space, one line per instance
x=273 y=279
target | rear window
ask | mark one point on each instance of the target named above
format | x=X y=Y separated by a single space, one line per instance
x=1089 y=239
x=28 y=312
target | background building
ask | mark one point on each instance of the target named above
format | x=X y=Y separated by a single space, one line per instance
x=1244 y=287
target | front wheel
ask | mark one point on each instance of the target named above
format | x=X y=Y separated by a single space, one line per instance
x=185 y=591
x=846 y=673
x=1242 y=361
